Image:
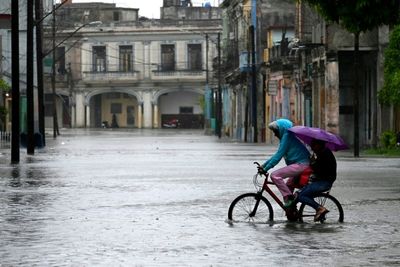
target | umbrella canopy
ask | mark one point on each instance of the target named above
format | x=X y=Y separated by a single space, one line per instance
x=307 y=134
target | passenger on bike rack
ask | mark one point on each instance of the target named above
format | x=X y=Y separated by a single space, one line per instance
x=295 y=154
x=323 y=164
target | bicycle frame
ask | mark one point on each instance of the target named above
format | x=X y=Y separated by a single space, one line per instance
x=291 y=212
x=266 y=188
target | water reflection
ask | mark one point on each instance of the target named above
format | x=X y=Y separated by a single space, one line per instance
x=24 y=202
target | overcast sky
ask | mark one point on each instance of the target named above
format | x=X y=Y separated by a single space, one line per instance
x=147 y=8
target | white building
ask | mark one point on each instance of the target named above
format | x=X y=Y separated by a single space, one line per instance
x=131 y=71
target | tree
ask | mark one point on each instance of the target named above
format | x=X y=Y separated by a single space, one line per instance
x=4 y=88
x=357 y=16
x=390 y=93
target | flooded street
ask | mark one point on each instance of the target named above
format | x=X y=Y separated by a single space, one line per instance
x=161 y=197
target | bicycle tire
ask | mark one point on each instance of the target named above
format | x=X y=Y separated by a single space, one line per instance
x=335 y=214
x=241 y=208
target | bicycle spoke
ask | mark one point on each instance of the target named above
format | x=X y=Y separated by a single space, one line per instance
x=334 y=215
x=242 y=209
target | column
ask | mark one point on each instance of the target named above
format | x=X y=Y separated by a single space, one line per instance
x=155 y=116
x=140 y=115
x=88 y=116
x=79 y=110
x=73 y=115
x=147 y=110
x=332 y=96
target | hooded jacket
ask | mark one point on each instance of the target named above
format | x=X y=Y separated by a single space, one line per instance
x=290 y=148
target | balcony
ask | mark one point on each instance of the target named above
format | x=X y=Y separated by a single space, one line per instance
x=178 y=74
x=110 y=75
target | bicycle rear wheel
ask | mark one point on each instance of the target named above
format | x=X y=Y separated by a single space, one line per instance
x=335 y=214
x=250 y=207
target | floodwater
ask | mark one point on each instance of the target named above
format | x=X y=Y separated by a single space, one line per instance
x=161 y=197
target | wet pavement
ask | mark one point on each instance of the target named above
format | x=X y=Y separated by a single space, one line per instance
x=160 y=198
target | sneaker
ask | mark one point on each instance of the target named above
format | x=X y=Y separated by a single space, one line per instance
x=289 y=201
x=321 y=212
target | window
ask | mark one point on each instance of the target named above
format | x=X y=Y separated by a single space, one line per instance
x=116 y=16
x=185 y=110
x=116 y=108
x=167 y=57
x=99 y=58
x=60 y=60
x=125 y=58
x=194 y=57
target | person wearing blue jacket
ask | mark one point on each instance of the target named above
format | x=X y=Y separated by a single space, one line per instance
x=296 y=155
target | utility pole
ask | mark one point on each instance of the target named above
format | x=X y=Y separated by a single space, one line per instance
x=207 y=77
x=39 y=67
x=207 y=95
x=30 y=141
x=15 y=81
x=53 y=76
x=253 y=86
x=71 y=89
x=356 y=101
x=219 y=94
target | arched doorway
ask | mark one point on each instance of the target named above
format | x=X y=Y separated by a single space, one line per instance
x=181 y=109
x=114 y=110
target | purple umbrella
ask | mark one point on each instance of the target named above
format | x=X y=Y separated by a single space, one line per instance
x=306 y=134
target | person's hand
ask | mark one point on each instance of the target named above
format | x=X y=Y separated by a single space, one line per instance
x=260 y=169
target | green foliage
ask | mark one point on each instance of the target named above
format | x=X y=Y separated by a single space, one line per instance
x=392 y=152
x=358 y=15
x=4 y=86
x=3 y=112
x=388 y=139
x=387 y=147
x=390 y=93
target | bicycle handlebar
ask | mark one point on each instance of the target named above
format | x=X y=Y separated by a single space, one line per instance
x=260 y=172
x=260 y=169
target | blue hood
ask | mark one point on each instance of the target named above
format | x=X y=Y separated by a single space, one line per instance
x=290 y=148
x=283 y=125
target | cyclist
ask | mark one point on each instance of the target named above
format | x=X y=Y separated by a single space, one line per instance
x=323 y=164
x=296 y=157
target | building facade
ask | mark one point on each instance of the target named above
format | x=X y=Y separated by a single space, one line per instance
x=117 y=69
x=246 y=54
x=311 y=79
x=304 y=72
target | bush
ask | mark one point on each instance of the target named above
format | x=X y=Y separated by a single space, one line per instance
x=388 y=139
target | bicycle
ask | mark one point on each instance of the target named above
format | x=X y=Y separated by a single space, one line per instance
x=254 y=207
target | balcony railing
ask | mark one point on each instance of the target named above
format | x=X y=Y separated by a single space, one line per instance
x=178 y=74
x=110 y=75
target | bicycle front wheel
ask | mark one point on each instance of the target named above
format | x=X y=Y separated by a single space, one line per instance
x=335 y=214
x=250 y=207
